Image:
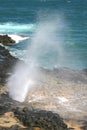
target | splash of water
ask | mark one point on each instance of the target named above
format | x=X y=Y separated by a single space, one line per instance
x=44 y=43
x=19 y=82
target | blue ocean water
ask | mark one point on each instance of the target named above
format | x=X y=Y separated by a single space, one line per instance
x=22 y=18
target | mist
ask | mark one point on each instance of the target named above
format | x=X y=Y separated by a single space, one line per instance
x=45 y=41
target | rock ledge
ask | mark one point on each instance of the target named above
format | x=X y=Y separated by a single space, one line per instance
x=6 y=40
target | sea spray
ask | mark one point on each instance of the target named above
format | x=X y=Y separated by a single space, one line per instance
x=46 y=45
x=19 y=82
x=44 y=42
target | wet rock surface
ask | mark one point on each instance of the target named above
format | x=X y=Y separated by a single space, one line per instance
x=45 y=120
x=68 y=74
x=6 y=40
x=32 y=119
x=6 y=103
x=7 y=61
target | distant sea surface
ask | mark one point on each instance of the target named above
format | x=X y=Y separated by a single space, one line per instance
x=20 y=20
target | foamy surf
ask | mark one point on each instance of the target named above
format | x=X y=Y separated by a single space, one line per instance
x=18 y=38
x=10 y=27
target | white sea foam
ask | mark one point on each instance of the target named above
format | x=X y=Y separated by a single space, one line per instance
x=18 y=38
x=36 y=99
x=62 y=99
x=18 y=53
x=15 y=27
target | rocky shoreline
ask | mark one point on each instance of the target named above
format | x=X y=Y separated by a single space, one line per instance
x=33 y=115
x=6 y=40
x=28 y=117
x=6 y=63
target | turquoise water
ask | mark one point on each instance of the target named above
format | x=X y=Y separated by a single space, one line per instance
x=22 y=17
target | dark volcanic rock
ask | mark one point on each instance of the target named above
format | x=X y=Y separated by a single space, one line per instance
x=15 y=127
x=6 y=103
x=42 y=119
x=45 y=120
x=84 y=127
x=6 y=63
x=6 y=40
x=11 y=128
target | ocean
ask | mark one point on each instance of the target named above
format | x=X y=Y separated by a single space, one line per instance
x=48 y=33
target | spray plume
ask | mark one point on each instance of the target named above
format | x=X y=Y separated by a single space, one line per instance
x=44 y=42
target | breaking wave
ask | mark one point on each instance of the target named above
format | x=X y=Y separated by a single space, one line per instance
x=16 y=28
